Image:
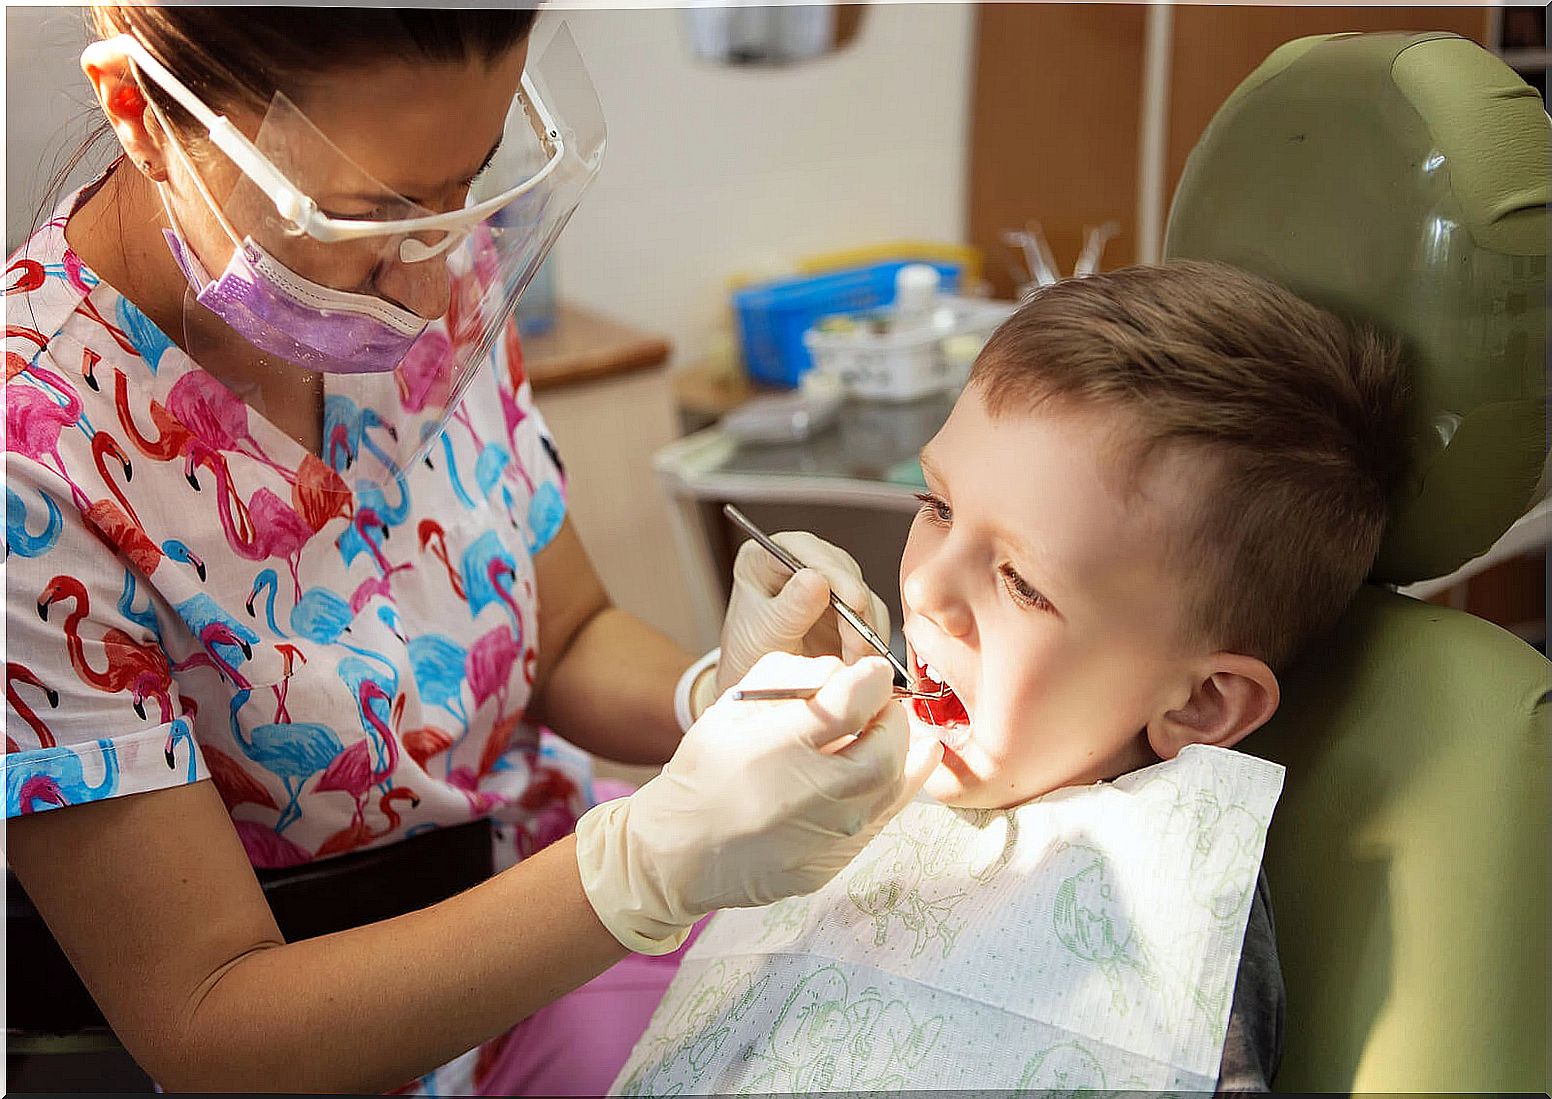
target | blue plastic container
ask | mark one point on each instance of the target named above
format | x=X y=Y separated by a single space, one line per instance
x=773 y=316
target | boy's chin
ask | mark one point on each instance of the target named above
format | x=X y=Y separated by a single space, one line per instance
x=953 y=784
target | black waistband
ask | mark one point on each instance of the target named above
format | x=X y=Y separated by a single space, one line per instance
x=45 y=996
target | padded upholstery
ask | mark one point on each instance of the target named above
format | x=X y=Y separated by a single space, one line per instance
x=1403 y=180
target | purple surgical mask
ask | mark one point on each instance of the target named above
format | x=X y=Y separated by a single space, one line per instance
x=303 y=322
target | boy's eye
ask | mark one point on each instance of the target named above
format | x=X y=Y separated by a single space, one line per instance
x=934 y=508
x=1022 y=593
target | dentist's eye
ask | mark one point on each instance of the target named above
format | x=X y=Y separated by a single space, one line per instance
x=934 y=508
x=1022 y=593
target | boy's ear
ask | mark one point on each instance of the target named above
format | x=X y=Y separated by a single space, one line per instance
x=1231 y=697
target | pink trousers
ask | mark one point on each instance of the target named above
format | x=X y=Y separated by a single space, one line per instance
x=578 y=1044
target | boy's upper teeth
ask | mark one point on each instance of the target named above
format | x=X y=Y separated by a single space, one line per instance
x=932 y=673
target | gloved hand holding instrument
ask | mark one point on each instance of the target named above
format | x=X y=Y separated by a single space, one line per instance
x=752 y=807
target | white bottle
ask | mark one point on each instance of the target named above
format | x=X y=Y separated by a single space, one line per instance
x=916 y=296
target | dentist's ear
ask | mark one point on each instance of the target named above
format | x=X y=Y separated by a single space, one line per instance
x=1231 y=696
x=108 y=70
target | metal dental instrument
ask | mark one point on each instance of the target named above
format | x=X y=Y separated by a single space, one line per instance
x=902 y=689
x=781 y=694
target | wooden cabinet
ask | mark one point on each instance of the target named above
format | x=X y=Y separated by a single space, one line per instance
x=1086 y=112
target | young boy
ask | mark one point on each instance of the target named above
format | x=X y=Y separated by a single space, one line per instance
x=1158 y=485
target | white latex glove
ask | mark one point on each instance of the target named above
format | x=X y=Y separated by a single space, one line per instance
x=773 y=609
x=762 y=800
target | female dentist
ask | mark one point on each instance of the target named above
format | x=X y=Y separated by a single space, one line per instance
x=281 y=515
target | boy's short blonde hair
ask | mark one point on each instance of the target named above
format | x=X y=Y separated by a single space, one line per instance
x=1300 y=414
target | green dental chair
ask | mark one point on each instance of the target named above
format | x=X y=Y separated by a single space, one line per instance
x=1403 y=180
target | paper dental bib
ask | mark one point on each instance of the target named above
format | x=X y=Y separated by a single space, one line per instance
x=1089 y=939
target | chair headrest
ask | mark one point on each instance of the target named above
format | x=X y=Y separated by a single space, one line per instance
x=1402 y=180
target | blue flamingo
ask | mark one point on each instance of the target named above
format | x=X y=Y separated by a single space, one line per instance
x=151 y=343
x=438 y=666
x=354 y=671
x=546 y=513
x=347 y=427
x=177 y=551
x=56 y=778
x=320 y=616
x=484 y=561
x=341 y=431
x=181 y=733
x=370 y=498
x=21 y=541
x=293 y=751
x=370 y=420
x=200 y=611
x=452 y=471
x=145 y=618
x=492 y=462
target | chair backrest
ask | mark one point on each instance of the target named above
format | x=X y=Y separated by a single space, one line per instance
x=1403 y=180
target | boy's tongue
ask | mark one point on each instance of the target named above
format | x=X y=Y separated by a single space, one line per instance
x=944 y=711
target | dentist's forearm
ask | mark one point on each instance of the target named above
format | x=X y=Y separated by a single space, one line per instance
x=612 y=691
x=372 y=1008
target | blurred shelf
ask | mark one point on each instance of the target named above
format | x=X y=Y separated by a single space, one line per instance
x=1521 y=60
x=585 y=346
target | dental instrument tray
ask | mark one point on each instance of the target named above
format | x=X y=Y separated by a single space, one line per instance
x=884 y=356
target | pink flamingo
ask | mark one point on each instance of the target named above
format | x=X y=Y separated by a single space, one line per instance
x=171 y=436
x=375 y=585
x=35 y=417
x=357 y=834
x=235 y=785
x=289 y=655
x=19 y=673
x=430 y=533
x=266 y=526
x=423 y=377
x=217 y=417
x=267 y=848
x=138 y=667
x=88 y=309
x=210 y=635
x=104 y=446
x=319 y=494
x=489 y=665
x=352 y=770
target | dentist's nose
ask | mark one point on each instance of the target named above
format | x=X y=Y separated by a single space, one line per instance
x=424 y=287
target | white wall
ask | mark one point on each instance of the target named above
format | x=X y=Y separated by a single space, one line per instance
x=712 y=170
x=48 y=108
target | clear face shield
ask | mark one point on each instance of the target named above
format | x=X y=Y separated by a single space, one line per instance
x=395 y=303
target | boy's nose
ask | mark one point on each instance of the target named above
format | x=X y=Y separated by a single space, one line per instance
x=929 y=592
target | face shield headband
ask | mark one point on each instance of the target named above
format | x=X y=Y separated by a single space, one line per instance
x=293 y=284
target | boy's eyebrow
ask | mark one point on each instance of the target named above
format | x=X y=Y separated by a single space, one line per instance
x=1017 y=541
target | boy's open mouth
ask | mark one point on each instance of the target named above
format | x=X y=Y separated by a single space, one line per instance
x=947 y=712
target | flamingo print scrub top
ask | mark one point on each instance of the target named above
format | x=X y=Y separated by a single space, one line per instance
x=190 y=593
